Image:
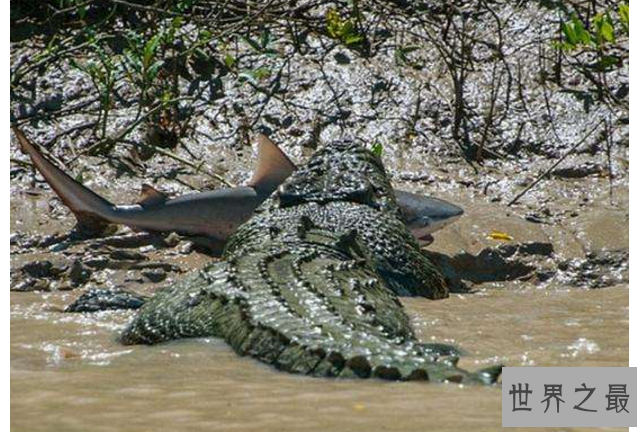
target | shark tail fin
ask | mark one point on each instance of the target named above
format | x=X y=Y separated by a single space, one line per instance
x=91 y=210
x=150 y=197
x=272 y=168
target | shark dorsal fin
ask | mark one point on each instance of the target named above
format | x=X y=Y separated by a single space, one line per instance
x=150 y=197
x=272 y=168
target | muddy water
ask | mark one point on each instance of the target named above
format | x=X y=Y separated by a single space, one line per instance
x=68 y=372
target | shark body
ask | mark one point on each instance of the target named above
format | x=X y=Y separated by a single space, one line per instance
x=213 y=214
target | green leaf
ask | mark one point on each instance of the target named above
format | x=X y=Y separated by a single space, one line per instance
x=377 y=149
x=400 y=57
x=410 y=48
x=333 y=23
x=603 y=29
x=76 y=65
x=255 y=75
x=623 y=13
x=266 y=37
x=133 y=60
x=177 y=22
x=200 y=54
x=262 y=73
x=166 y=97
x=352 y=39
x=583 y=36
x=150 y=49
x=607 y=62
x=153 y=69
x=184 y=5
x=252 y=43
x=247 y=76
x=347 y=28
x=343 y=30
x=607 y=32
x=271 y=53
x=229 y=61
x=569 y=33
x=205 y=35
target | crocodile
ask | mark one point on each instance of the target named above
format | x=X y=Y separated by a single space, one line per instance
x=310 y=283
x=212 y=214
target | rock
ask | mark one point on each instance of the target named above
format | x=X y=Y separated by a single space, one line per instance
x=98 y=299
x=535 y=218
x=545 y=275
x=98 y=263
x=43 y=269
x=125 y=255
x=156 y=265
x=186 y=248
x=204 y=245
x=15 y=239
x=530 y=248
x=31 y=284
x=502 y=263
x=157 y=275
x=134 y=279
x=579 y=171
x=342 y=58
x=596 y=270
x=78 y=274
x=172 y=240
x=129 y=240
x=37 y=269
x=102 y=262
x=63 y=285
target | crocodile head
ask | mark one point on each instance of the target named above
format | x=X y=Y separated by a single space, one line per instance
x=342 y=171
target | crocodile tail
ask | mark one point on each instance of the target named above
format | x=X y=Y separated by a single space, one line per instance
x=306 y=302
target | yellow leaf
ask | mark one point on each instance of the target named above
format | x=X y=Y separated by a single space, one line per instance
x=359 y=407
x=498 y=235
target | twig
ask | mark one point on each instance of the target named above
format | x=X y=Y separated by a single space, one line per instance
x=125 y=131
x=23 y=163
x=609 y=144
x=552 y=167
x=145 y=8
x=76 y=128
x=16 y=75
x=495 y=85
x=44 y=150
x=198 y=168
x=185 y=183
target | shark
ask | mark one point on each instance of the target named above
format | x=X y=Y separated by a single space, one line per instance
x=215 y=214
x=424 y=215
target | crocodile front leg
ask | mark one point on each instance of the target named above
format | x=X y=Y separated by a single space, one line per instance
x=183 y=310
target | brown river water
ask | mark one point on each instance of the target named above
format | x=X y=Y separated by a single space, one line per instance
x=68 y=373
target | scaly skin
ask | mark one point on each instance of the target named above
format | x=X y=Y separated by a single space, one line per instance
x=310 y=283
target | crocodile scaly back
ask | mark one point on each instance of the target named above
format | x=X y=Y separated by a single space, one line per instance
x=310 y=283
